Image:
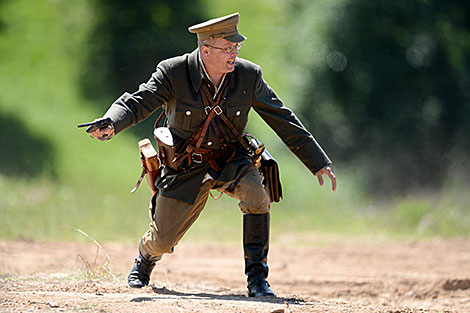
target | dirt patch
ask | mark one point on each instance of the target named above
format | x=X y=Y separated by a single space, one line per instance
x=329 y=275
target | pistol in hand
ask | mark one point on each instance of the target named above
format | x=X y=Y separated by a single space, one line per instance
x=98 y=128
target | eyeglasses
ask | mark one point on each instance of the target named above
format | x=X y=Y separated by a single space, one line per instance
x=229 y=49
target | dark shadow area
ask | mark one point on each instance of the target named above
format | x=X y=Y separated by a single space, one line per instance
x=2 y=23
x=210 y=296
x=23 y=153
x=129 y=39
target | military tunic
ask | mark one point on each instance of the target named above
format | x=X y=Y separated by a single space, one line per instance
x=176 y=84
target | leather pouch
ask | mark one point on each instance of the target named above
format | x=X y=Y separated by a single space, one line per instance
x=268 y=167
x=270 y=170
x=168 y=146
x=150 y=165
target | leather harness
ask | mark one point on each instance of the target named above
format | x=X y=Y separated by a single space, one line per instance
x=191 y=150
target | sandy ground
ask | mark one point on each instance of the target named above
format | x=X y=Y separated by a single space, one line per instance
x=331 y=274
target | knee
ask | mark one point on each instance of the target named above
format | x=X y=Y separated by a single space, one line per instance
x=155 y=245
x=255 y=202
x=253 y=197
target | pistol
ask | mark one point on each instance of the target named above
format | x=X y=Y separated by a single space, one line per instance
x=98 y=124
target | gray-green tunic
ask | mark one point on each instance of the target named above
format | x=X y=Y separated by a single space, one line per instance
x=176 y=84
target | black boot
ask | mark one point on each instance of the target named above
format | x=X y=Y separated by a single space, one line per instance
x=140 y=272
x=256 y=246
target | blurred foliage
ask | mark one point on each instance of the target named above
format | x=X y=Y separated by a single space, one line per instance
x=63 y=62
x=262 y=22
x=16 y=158
x=129 y=39
x=391 y=92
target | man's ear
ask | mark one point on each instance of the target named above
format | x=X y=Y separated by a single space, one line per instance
x=205 y=50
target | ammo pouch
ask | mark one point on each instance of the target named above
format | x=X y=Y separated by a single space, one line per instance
x=267 y=166
x=168 y=146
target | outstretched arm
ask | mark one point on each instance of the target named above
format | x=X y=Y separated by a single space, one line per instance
x=289 y=128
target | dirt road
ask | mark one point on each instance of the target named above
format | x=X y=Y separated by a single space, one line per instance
x=329 y=274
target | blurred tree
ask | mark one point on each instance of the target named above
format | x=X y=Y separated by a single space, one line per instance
x=129 y=39
x=2 y=23
x=392 y=92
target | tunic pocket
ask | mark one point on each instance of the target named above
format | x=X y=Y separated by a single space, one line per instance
x=187 y=117
x=238 y=115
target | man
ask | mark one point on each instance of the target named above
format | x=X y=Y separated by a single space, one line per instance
x=211 y=83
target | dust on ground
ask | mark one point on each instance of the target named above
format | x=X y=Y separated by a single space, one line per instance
x=331 y=274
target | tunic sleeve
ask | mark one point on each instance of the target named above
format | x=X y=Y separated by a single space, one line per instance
x=130 y=109
x=287 y=126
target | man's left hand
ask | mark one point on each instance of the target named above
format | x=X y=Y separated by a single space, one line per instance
x=328 y=171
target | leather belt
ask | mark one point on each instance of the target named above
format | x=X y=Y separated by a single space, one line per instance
x=199 y=155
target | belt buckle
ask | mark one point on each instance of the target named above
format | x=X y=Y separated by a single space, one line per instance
x=196 y=160
x=207 y=109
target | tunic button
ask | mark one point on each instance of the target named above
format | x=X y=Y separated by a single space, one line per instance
x=238 y=113
x=188 y=112
x=209 y=143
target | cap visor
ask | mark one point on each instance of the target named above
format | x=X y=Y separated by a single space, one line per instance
x=235 y=38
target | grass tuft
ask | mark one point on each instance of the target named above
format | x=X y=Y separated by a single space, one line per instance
x=95 y=271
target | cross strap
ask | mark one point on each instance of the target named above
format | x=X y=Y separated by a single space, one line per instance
x=215 y=106
x=212 y=107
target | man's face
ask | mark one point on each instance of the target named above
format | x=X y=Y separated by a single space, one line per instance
x=219 y=55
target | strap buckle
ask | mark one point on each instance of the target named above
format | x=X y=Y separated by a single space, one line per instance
x=196 y=157
x=217 y=109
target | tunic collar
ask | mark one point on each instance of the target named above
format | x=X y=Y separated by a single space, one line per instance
x=194 y=70
x=198 y=72
x=206 y=76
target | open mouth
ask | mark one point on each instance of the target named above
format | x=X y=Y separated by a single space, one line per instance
x=231 y=62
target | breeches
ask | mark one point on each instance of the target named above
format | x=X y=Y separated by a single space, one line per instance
x=172 y=218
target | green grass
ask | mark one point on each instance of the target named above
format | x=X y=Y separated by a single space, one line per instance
x=43 y=209
x=39 y=209
x=86 y=186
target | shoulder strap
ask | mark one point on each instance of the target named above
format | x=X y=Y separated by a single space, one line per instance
x=213 y=107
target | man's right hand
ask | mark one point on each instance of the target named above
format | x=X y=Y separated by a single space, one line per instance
x=104 y=133
x=101 y=128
